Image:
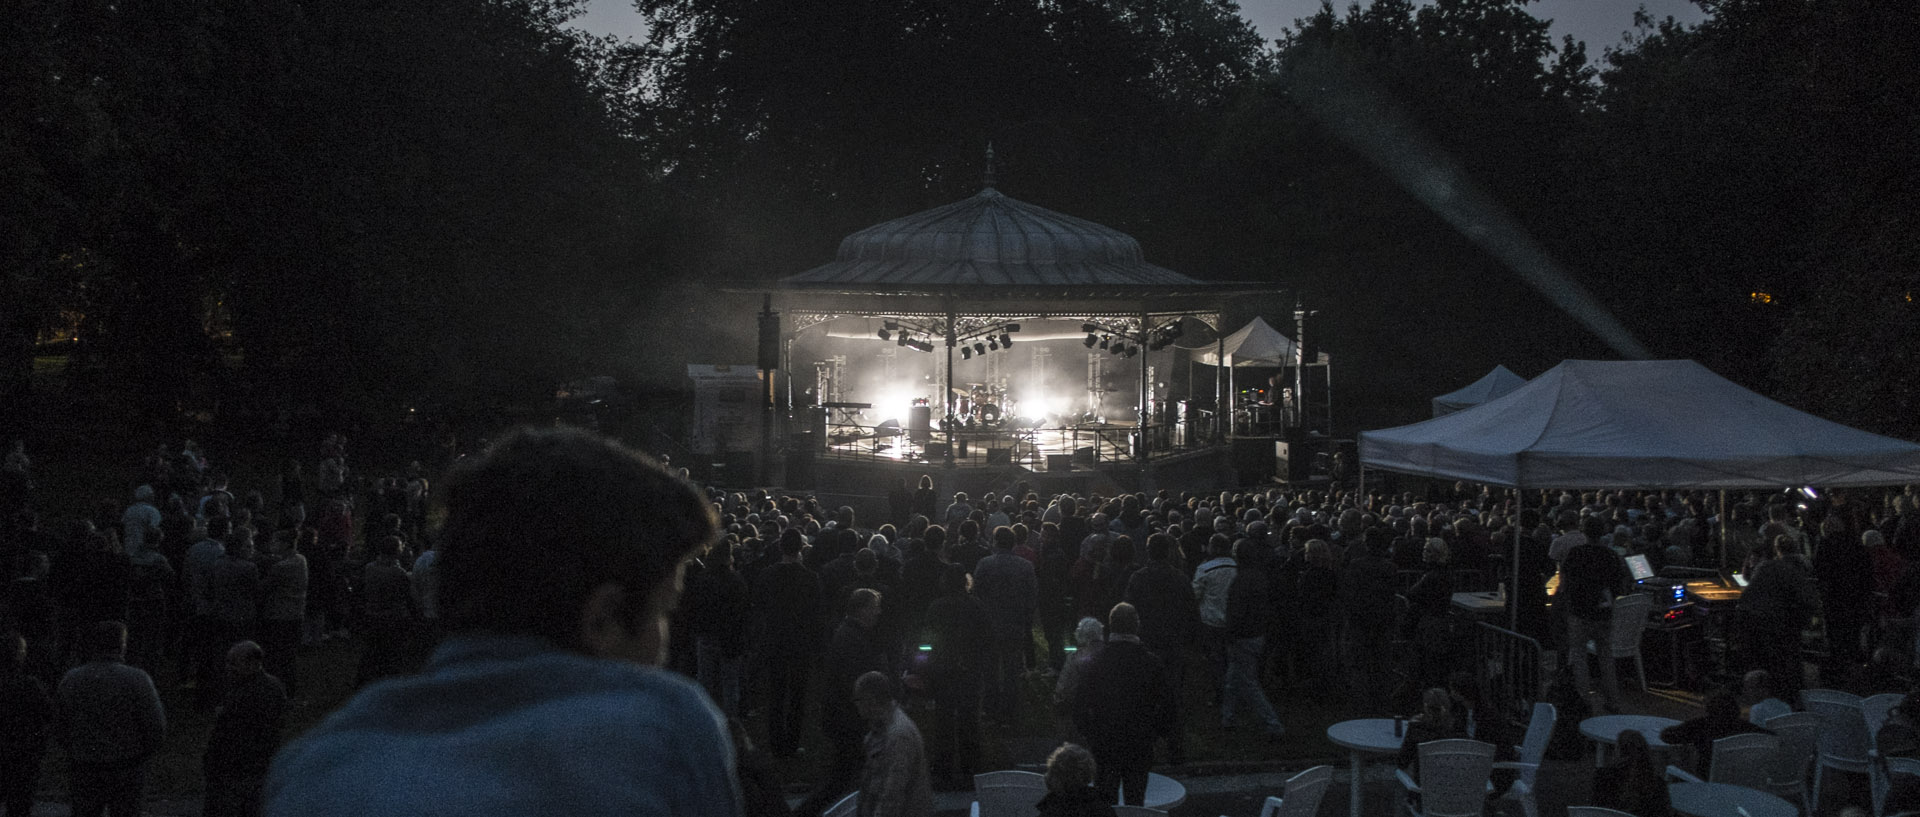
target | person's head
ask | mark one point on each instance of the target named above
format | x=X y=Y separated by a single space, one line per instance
x=218 y=528
x=386 y=547
x=283 y=543
x=1089 y=632
x=1245 y=552
x=1635 y=753
x=1003 y=538
x=1757 y=685
x=873 y=695
x=1786 y=545
x=926 y=482
x=106 y=640
x=1436 y=706
x=1219 y=545
x=246 y=659
x=1159 y=547
x=1319 y=553
x=1435 y=551
x=863 y=605
x=1123 y=620
x=1069 y=768
x=563 y=534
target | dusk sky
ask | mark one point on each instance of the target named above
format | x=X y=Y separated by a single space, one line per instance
x=1599 y=23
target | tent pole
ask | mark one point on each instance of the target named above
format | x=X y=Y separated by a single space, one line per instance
x=1513 y=571
x=1723 y=530
x=1219 y=363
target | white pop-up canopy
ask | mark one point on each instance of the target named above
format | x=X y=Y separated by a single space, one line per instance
x=1496 y=383
x=1640 y=425
x=1256 y=344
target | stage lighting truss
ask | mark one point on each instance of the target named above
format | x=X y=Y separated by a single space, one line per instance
x=994 y=338
x=1125 y=342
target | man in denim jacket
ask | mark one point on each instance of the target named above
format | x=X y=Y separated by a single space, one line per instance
x=561 y=559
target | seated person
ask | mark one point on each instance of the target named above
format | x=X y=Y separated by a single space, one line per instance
x=1900 y=737
x=1436 y=721
x=1070 y=791
x=1722 y=719
x=1636 y=784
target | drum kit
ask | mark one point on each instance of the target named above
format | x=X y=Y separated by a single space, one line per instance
x=981 y=405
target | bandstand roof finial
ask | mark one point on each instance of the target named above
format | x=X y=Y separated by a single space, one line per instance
x=987 y=181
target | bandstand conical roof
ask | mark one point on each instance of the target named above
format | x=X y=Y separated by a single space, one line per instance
x=993 y=241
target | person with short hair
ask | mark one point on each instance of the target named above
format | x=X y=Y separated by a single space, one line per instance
x=1008 y=587
x=893 y=777
x=1721 y=719
x=1757 y=687
x=109 y=721
x=1123 y=706
x=246 y=732
x=562 y=557
x=854 y=651
x=26 y=721
x=787 y=604
x=1071 y=771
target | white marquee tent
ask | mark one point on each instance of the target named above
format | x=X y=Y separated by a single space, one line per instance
x=1496 y=383
x=1640 y=425
x=1648 y=424
x=1256 y=344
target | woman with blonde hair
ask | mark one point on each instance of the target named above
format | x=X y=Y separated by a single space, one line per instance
x=1070 y=791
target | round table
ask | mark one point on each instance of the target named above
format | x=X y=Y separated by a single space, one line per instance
x=1726 y=800
x=1363 y=737
x=1163 y=793
x=1604 y=731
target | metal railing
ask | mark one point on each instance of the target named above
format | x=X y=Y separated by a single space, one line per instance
x=1511 y=664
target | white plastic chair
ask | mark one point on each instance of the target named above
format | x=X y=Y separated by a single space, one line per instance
x=1595 y=811
x=847 y=807
x=1137 y=811
x=1879 y=708
x=1844 y=743
x=1533 y=749
x=1799 y=734
x=1453 y=779
x=1302 y=794
x=1742 y=760
x=1629 y=624
x=1008 y=794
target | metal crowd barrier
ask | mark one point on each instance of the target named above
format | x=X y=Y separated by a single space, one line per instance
x=1512 y=665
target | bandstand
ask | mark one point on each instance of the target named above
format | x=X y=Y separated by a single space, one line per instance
x=994 y=341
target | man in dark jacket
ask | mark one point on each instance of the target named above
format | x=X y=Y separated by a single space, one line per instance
x=1777 y=606
x=786 y=609
x=1169 y=618
x=1367 y=599
x=853 y=652
x=1248 y=611
x=1124 y=704
x=246 y=733
x=1007 y=585
x=961 y=634
x=1591 y=574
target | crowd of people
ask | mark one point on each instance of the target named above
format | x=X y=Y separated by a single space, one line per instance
x=559 y=551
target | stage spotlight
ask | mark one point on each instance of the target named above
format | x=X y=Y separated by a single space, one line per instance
x=1090 y=328
x=1119 y=349
x=979 y=348
x=1104 y=342
x=966 y=353
x=886 y=335
x=900 y=341
x=993 y=344
x=1006 y=341
x=921 y=345
x=1012 y=327
x=1091 y=340
x=1133 y=350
